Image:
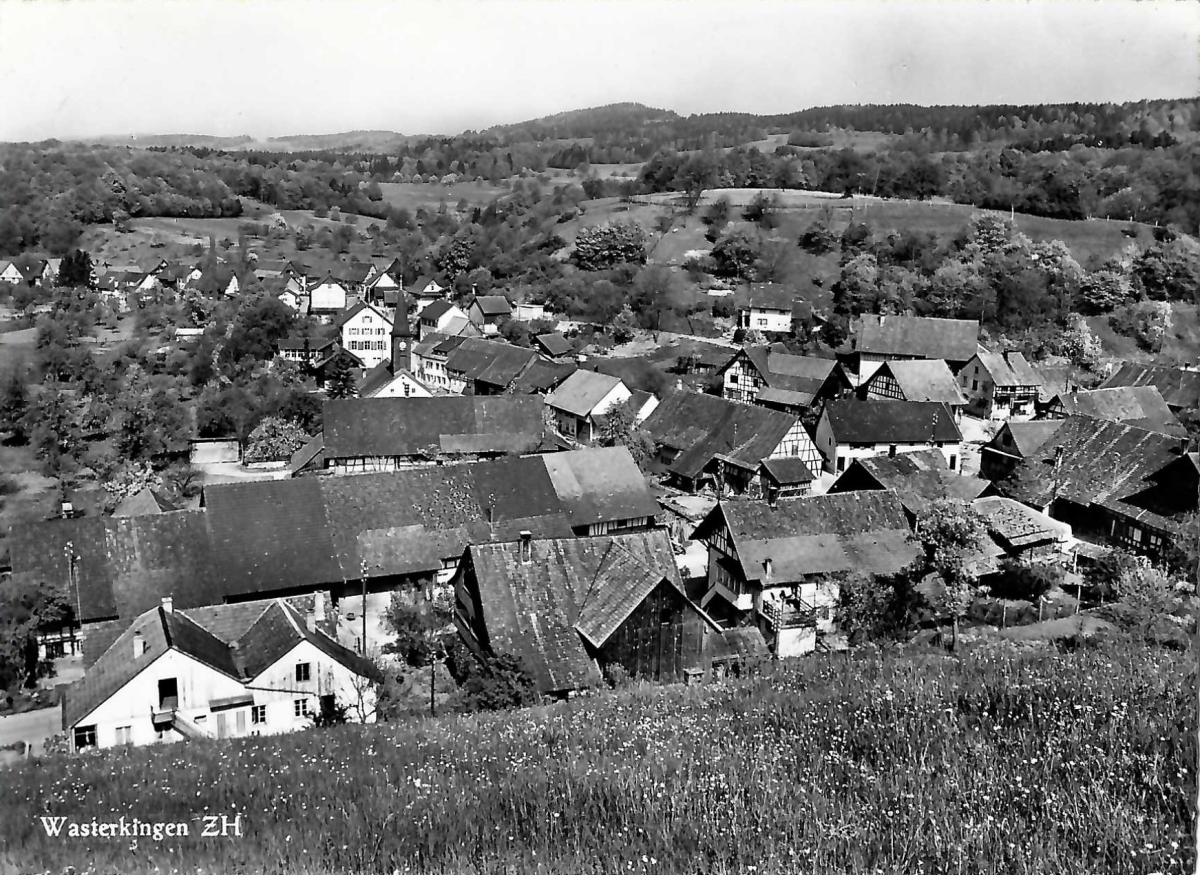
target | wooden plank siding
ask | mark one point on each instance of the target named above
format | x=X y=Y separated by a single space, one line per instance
x=661 y=640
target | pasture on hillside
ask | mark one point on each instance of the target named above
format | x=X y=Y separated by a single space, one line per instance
x=995 y=761
x=431 y=195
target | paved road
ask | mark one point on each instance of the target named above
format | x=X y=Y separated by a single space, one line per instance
x=32 y=727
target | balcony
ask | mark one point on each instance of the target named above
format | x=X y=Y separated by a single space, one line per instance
x=789 y=615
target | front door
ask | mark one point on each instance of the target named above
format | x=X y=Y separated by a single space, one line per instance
x=222 y=725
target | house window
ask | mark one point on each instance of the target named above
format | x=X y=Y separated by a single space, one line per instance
x=303 y=672
x=300 y=707
x=974 y=385
x=124 y=734
x=258 y=714
x=85 y=736
x=841 y=463
x=954 y=463
x=168 y=693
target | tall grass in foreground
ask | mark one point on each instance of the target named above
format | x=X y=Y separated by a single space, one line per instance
x=1068 y=763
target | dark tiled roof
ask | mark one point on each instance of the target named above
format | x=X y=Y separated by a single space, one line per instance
x=851 y=532
x=918 y=479
x=923 y=380
x=600 y=484
x=1026 y=436
x=954 y=340
x=436 y=311
x=787 y=471
x=540 y=610
x=123 y=565
x=312 y=454
x=1179 y=387
x=769 y=296
x=555 y=344
x=703 y=426
x=882 y=422
x=542 y=377
x=493 y=305
x=146 y=501
x=497 y=364
x=1130 y=471
x=448 y=424
x=1015 y=525
x=1142 y=406
x=375 y=379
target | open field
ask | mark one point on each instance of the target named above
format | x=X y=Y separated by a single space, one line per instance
x=16 y=349
x=895 y=762
x=413 y=196
x=1181 y=343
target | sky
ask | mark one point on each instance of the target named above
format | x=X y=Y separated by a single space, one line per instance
x=76 y=68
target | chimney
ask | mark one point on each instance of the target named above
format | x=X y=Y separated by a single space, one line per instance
x=768 y=569
x=526 y=547
x=168 y=604
x=319 y=607
x=139 y=645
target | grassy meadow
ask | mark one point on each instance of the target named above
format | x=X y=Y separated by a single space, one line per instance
x=1076 y=762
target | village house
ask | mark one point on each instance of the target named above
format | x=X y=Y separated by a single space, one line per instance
x=305 y=350
x=785 y=478
x=1142 y=406
x=1021 y=532
x=1000 y=386
x=774 y=378
x=702 y=440
x=1111 y=482
x=353 y=277
x=529 y=312
x=251 y=670
x=383 y=381
x=402 y=532
x=442 y=317
x=570 y=609
x=778 y=566
x=767 y=307
x=10 y=273
x=327 y=299
x=366 y=332
x=387 y=434
x=890 y=338
x=915 y=380
x=297 y=301
x=382 y=286
x=543 y=377
x=425 y=291
x=429 y=360
x=554 y=346
x=580 y=399
x=1012 y=443
x=850 y=429
x=917 y=479
x=333 y=359
x=487 y=312
x=486 y=367
x=1179 y=387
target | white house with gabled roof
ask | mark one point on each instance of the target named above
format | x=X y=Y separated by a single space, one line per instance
x=170 y=676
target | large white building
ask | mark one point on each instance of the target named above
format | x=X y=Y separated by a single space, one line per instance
x=169 y=676
x=366 y=331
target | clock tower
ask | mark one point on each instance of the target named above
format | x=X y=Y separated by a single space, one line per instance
x=402 y=337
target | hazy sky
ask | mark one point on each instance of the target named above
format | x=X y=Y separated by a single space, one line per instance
x=276 y=67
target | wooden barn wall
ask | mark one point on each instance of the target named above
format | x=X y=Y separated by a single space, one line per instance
x=660 y=640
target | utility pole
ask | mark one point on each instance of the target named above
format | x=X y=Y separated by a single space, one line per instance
x=363 y=570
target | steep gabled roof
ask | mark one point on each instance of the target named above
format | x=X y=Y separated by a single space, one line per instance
x=1010 y=369
x=554 y=344
x=1026 y=436
x=375 y=379
x=953 y=340
x=351 y=312
x=1142 y=406
x=568 y=591
x=702 y=427
x=917 y=479
x=487 y=361
x=1179 y=387
x=883 y=422
x=493 y=305
x=582 y=391
x=787 y=471
x=769 y=296
x=542 y=377
x=1139 y=474
x=600 y=484
x=146 y=501
x=923 y=380
x=436 y=311
x=849 y=532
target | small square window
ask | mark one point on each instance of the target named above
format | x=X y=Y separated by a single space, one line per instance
x=258 y=714
x=85 y=736
x=300 y=707
x=124 y=734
